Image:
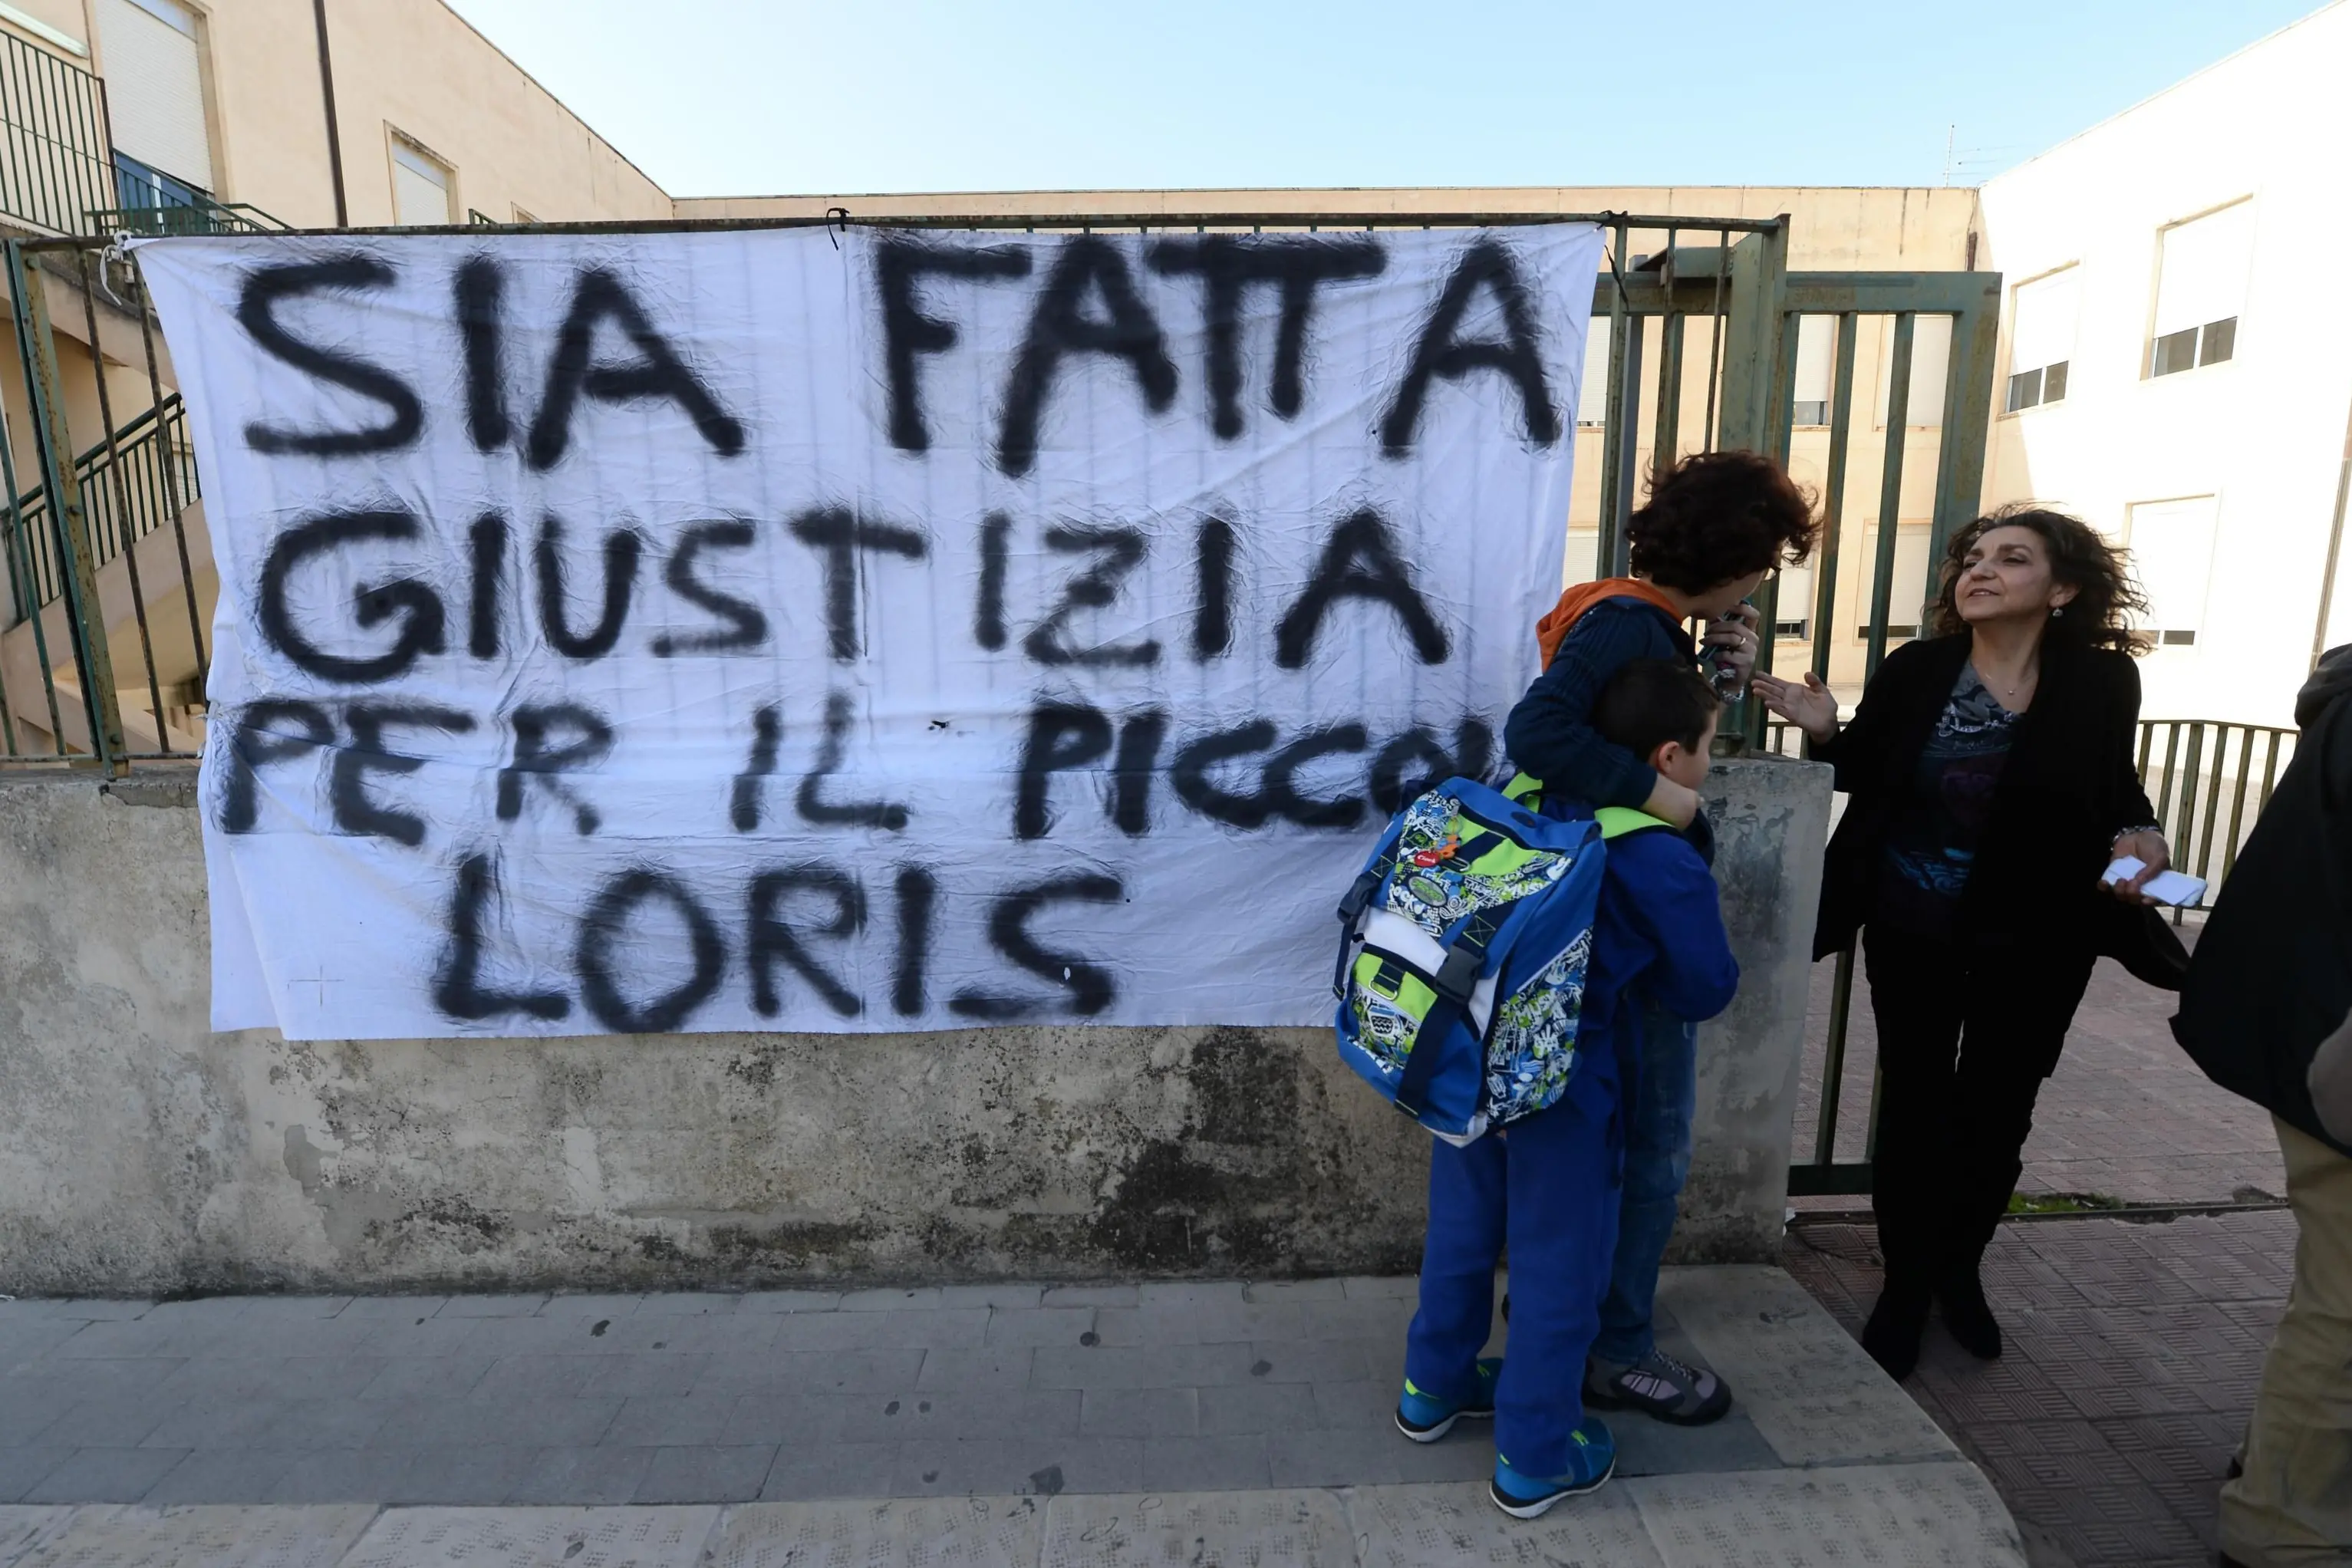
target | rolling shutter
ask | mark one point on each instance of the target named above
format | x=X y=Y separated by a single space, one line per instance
x=154 y=87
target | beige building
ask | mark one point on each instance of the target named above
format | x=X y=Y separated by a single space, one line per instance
x=229 y=101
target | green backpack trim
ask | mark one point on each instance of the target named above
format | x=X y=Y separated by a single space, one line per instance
x=1616 y=821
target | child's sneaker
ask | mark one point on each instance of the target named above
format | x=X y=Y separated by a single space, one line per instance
x=1592 y=1460
x=1657 y=1385
x=1426 y=1419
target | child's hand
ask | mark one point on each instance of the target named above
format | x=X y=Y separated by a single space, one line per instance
x=1810 y=706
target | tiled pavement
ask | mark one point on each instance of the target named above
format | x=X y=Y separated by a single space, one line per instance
x=2133 y=1354
x=2127 y=1114
x=1069 y=1410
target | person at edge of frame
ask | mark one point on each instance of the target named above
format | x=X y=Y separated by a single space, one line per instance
x=2266 y=1012
x=1713 y=527
x=1989 y=776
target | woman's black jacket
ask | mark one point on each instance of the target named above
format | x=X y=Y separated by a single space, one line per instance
x=2068 y=787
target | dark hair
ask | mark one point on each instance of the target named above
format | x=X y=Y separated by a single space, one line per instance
x=2105 y=595
x=1650 y=701
x=1715 y=516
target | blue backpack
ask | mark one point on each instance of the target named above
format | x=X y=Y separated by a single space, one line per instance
x=1463 y=950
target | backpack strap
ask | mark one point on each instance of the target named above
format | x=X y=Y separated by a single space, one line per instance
x=1456 y=979
x=1617 y=821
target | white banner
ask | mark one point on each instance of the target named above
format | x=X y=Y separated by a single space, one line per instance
x=796 y=629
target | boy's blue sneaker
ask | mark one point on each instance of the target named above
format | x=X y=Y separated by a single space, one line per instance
x=1425 y=1418
x=1592 y=1459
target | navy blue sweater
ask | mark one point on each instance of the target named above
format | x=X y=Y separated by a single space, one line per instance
x=1549 y=734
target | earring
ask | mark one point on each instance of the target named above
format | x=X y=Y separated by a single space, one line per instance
x=2056 y=610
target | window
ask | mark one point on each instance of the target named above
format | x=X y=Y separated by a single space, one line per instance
x=1593 y=392
x=2200 y=288
x=136 y=185
x=2171 y=544
x=1816 y=366
x=2040 y=340
x=1931 y=359
x=420 y=186
x=154 y=89
x=1792 y=604
x=1911 y=584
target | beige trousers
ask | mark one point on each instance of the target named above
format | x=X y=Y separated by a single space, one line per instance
x=2293 y=1507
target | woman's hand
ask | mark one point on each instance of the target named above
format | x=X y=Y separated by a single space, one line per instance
x=2151 y=849
x=1808 y=705
x=1737 y=635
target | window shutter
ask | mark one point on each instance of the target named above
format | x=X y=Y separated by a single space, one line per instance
x=1816 y=359
x=2171 y=544
x=155 y=87
x=420 y=189
x=2043 y=333
x=1931 y=361
x=2203 y=271
x=1593 y=392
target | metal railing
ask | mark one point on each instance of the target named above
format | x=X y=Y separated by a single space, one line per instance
x=103 y=574
x=202 y=216
x=133 y=484
x=2209 y=781
x=56 y=166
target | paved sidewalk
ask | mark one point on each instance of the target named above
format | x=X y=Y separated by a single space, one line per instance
x=2127 y=1114
x=2133 y=1354
x=1030 y=1425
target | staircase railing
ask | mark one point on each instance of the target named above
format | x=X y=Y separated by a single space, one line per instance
x=127 y=500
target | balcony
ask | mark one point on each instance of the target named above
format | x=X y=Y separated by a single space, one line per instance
x=61 y=174
x=201 y=216
x=55 y=167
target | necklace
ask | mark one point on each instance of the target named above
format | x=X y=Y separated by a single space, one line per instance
x=2011 y=690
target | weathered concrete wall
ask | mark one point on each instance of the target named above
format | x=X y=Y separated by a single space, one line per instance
x=140 y=1152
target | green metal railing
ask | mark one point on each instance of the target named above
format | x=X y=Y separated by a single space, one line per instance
x=56 y=163
x=130 y=484
x=2208 y=779
x=203 y=215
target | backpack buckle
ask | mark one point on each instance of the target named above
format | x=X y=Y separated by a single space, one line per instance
x=1458 y=975
x=1359 y=897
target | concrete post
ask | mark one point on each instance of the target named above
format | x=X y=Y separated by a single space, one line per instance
x=1771 y=824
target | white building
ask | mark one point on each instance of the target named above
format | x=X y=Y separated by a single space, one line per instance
x=2176 y=364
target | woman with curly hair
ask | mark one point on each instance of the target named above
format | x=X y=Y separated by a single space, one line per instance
x=1714 y=525
x=1989 y=781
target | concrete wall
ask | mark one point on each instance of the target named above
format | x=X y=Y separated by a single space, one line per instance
x=140 y=1152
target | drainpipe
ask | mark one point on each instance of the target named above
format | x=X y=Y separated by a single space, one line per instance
x=2334 y=550
x=334 y=134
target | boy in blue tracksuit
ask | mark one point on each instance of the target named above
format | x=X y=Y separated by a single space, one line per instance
x=1547 y=1185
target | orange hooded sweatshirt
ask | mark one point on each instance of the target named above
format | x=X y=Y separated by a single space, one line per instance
x=1553 y=629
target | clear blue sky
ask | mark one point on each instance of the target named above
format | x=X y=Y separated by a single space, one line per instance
x=755 y=97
